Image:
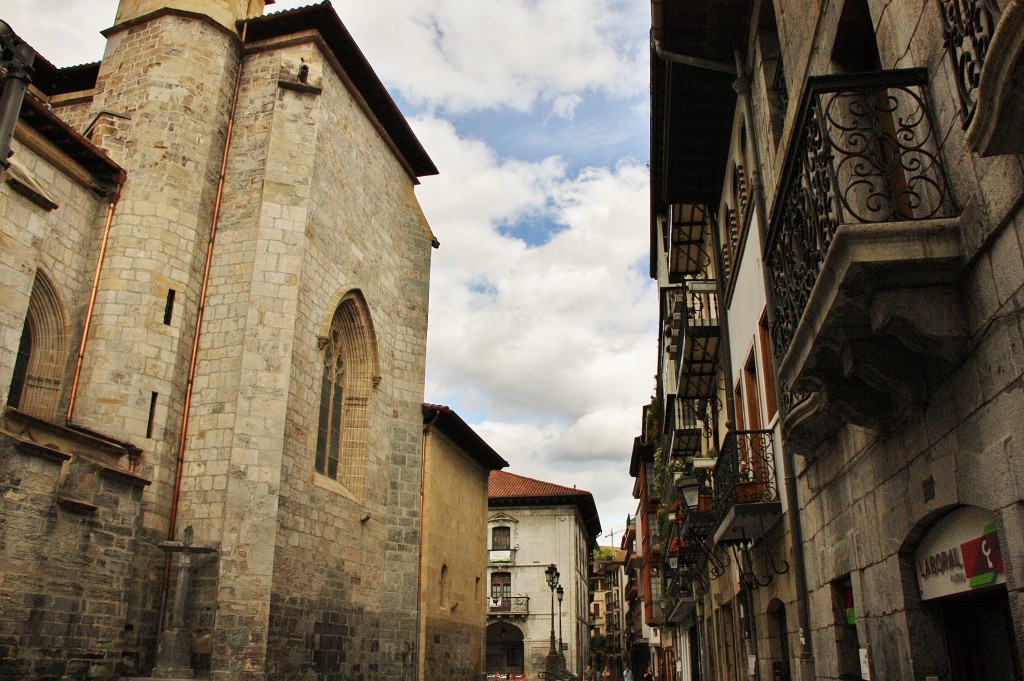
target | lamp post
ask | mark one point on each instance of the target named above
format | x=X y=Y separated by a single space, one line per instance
x=19 y=75
x=561 y=655
x=551 y=575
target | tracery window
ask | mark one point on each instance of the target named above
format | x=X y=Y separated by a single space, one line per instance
x=348 y=376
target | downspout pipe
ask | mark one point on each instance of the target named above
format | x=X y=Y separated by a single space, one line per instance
x=696 y=62
x=194 y=359
x=742 y=88
x=115 y=196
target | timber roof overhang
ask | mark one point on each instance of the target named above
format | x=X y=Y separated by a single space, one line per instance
x=692 y=105
x=458 y=431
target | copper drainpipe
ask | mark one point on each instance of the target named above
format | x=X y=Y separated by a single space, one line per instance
x=187 y=406
x=115 y=196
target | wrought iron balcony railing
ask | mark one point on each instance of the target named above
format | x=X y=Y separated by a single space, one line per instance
x=509 y=605
x=674 y=316
x=698 y=355
x=967 y=28
x=689 y=238
x=864 y=151
x=745 y=470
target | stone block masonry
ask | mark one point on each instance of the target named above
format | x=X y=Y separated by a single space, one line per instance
x=313 y=577
x=64 y=570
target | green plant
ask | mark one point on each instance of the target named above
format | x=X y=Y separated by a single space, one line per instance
x=659 y=468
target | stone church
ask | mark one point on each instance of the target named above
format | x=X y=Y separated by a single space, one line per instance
x=213 y=303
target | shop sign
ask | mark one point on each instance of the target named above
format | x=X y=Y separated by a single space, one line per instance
x=959 y=554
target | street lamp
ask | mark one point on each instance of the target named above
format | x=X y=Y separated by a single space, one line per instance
x=561 y=655
x=17 y=57
x=551 y=576
x=689 y=487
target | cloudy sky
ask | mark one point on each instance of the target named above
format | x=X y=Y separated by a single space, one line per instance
x=542 y=319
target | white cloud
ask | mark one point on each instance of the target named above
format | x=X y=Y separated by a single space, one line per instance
x=554 y=341
x=565 y=106
x=65 y=33
x=468 y=55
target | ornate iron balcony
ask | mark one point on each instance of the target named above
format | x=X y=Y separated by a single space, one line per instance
x=745 y=475
x=688 y=238
x=509 y=605
x=683 y=430
x=967 y=28
x=745 y=470
x=863 y=151
x=698 y=356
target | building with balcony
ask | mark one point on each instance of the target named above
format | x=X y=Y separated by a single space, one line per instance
x=608 y=608
x=637 y=637
x=532 y=525
x=453 y=543
x=836 y=230
x=646 y=604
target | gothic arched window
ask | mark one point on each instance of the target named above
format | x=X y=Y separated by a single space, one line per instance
x=349 y=373
x=42 y=353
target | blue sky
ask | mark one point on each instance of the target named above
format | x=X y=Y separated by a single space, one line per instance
x=543 y=319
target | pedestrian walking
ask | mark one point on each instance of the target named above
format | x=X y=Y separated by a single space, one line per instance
x=627 y=675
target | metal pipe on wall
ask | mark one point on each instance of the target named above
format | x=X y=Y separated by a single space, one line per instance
x=789 y=479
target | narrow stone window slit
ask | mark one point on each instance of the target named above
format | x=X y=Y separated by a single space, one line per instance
x=169 y=307
x=152 y=414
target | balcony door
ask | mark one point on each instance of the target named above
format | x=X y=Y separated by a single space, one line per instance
x=501 y=590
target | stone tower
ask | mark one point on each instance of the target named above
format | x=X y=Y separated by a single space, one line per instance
x=255 y=337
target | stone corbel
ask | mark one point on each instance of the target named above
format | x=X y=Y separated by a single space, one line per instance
x=995 y=128
x=927 y=320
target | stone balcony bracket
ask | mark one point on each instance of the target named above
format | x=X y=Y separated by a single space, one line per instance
x=882 y=322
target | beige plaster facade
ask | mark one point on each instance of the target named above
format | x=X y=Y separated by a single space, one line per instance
x=453 y=553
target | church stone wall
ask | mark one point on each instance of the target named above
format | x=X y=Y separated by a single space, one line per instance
x=309 y=581
x=64 y=569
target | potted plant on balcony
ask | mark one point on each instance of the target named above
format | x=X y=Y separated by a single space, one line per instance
x=748 y=490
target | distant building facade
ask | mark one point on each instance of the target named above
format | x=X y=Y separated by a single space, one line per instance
x=608 y=607
x=453 y=563
x=215 y=286
x=837 y=217
x=533 y=524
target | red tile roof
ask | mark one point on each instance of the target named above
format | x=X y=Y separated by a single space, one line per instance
x=508 y=489
x=504 y=485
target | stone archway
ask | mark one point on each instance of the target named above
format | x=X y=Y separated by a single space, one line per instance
x=505 y=652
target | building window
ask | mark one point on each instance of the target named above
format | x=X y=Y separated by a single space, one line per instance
x=767 y=368
x=773 y=69
x=501 y=538
x=348 y=376
x=42 y=353
x=501 y=586
x=445 y=590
